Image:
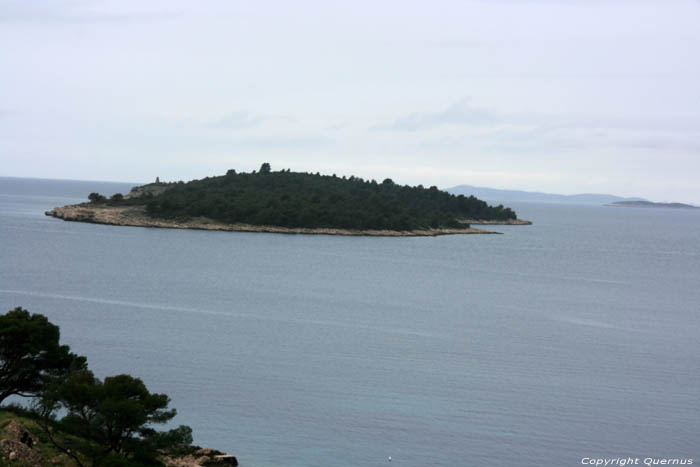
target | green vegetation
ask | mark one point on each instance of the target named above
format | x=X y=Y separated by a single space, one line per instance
x=292 y=199
x=112 y=419
x=30 y=354
x=96 y=198
x=103 y=423
x=18 y=416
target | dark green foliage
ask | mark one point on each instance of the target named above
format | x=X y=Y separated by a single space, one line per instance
x=120 y=200
x=177 y=440
x=118 y=460
x=20 y=410
x=112 y=419
x=110 y=422
x=30 y=354
x=293 y=199
x=96 y=198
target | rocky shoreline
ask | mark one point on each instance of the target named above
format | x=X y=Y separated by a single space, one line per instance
x=506 y=222
x=135 y=216
x=13 y=451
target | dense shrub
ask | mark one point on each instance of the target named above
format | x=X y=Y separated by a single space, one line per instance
x=293 y=199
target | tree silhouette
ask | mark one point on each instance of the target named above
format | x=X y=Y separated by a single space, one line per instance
x=294 y=199
x=30 y=354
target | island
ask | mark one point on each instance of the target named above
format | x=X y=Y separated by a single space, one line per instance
x=292 y=202
x=650 y=204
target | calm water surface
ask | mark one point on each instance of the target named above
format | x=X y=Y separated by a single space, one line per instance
x=576 y=337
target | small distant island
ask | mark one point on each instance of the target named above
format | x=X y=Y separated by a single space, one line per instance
x=650 y=204
x=292 y=202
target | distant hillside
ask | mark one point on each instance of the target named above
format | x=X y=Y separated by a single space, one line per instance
x=649 y=204
x=493 y=194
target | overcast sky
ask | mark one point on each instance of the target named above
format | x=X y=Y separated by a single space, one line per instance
x=564 y=96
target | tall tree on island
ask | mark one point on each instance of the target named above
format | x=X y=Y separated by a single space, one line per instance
x=265 y=168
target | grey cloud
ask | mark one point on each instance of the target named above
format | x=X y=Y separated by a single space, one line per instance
x=245 y=119
x=510 y=141
x=512 y=75
x=460 y=113
x=668 y=143
x=460 y=44
x=242 y=119
x=336 y=127
x=568 y=137
x=280 y=142
x=72 y=12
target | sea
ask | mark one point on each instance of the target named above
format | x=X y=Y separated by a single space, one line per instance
x=575 y=338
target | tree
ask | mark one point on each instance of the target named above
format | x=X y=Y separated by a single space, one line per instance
x=112 y=418
x=309 y=200
x=96 y=198
x=30 y=354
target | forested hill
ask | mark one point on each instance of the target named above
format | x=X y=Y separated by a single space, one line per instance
x=293 y=199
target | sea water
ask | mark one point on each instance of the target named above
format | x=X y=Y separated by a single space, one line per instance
x=578 y=336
